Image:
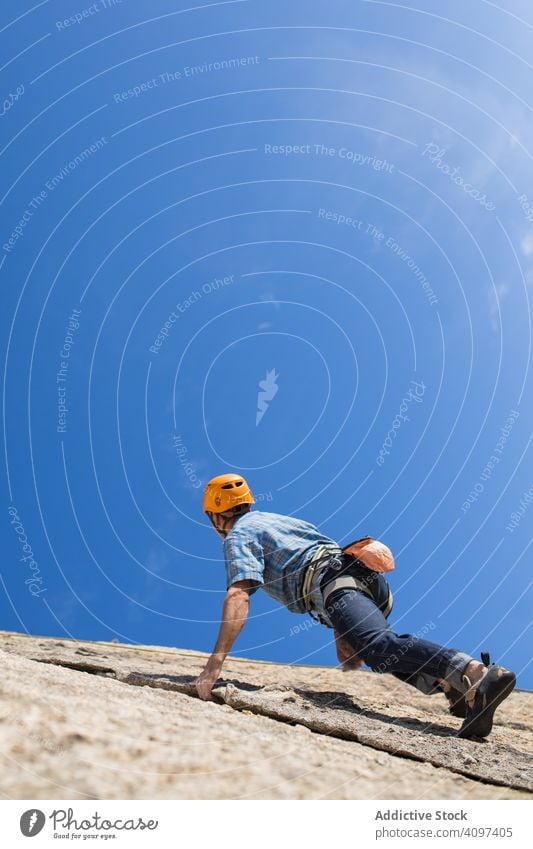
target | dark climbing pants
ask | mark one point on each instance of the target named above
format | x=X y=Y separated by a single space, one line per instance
x=357 y=619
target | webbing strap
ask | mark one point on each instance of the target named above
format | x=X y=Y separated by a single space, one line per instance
x=348 y=581
x=344 y=582
x=318 y=562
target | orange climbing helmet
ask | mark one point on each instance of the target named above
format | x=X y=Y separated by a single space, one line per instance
x=225 y=492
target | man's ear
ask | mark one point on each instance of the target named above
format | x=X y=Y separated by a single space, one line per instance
x=212 y=520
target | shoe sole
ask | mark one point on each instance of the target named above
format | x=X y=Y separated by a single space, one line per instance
x=481 y=725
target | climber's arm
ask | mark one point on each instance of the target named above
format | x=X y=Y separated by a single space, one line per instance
x=234 y=615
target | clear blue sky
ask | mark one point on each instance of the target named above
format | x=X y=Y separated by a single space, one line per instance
x=340 y=192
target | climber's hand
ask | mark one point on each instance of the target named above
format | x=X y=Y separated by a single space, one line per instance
x=206 y=681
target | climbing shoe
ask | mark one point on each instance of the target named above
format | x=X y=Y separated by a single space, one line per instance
x=480 y=706
x=456 y=703
x=456 y=700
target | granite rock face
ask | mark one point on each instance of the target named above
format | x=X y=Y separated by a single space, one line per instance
x=83 y=720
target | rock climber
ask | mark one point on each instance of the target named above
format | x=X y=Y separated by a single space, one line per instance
x=308 y=572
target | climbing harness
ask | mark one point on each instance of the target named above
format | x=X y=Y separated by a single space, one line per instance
x=371 y=555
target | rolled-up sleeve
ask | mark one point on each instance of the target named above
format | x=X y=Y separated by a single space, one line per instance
x=244 y=558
